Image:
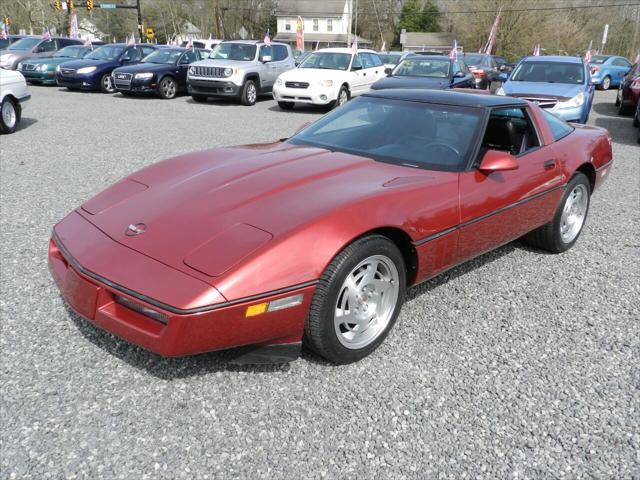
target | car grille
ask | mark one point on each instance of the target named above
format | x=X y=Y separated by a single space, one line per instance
x=67 y=71
x=296 y=84
x=28 y=67
x=122 y=80
x=215 y=72
x=542 y=102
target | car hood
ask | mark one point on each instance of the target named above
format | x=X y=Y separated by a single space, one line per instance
x=89 y=62
x=245 y=196
x=311 y=74
x=412 y=82
x=146 y=67
x=560 y=90
x=50 y=60
x=226 y=63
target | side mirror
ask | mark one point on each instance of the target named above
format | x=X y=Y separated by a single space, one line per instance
x=355 y=68
x=126 y=58
x=459 y=75
x=266 y=58
x=497 y=161
x=388 y=71
x=503 y=77
x=503 y=68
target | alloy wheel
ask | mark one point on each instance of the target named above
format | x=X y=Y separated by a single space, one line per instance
x=366 y=302
x=574 y=213
x=252 y=94
x=9 y=116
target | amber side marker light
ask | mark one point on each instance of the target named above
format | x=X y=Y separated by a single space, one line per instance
x=274 y=306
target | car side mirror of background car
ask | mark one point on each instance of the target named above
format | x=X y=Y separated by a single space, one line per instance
x=497 y=161
x=355 y=68
x=388 y=71
x=459 y=75
x=266 y=58
x=503 y=77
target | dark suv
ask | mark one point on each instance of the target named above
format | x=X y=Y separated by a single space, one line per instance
x=483 y=67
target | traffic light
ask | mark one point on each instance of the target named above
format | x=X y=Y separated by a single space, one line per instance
x=90 y=5
x=57 y=5
x=7 y=20
x=70 y=5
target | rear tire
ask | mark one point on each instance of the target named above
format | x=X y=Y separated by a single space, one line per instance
x=249 y=94
x=561 y=233
x=286 y=105
x=605 y=84
x=9 y=116
x=199 y=98
x=356 y=301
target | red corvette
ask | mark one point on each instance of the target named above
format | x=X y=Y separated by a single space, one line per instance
x=315 y=239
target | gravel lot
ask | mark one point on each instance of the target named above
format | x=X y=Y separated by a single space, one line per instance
x=517 y=365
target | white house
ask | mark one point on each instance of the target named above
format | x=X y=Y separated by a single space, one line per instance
x=325 y=24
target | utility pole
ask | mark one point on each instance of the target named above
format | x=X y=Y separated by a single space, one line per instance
x=142 y=35
x=350 y=22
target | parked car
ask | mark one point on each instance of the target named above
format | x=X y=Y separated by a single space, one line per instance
x=301 y=56
x=32 y=47
x=559 y=84
x=390 y=59
x=319 y=236
x=421 y=71
x=242 y=69
x=203 y=44
x=629 y=91
x=43 y=70
x=608 y=70
x=329 y=76
x=502 y=63
x=483 y=67
x=636 y=120
x=163 y=73
x=93 y=72
x=13 y=95
x=5 y=42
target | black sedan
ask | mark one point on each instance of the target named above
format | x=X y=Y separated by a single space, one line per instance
x=163 y=73
x=436 y=72
x=483 y=67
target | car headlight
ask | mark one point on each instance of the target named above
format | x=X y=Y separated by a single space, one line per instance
x=279 y=81
x=86 y=70
x=326 y=83
x=144 y=76
x=19 y=66
x=500 y=91
x=192 y=70
x=228 y=72
x=576 y=101
x=42 y=68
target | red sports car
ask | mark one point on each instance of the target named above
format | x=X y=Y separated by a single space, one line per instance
x=315 y=239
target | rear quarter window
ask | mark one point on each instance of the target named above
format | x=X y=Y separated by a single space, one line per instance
x=559 y=128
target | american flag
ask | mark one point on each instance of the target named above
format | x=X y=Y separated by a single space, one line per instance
x=189 y=43
x=587 y=55
x=132 y=41
x=453 y=54
x=488 y=48
x=637 y=60
x=354 y=46
x=87 y=43
x=267 y=39
x=46 y=35
x=3 y=32
x=383 y=48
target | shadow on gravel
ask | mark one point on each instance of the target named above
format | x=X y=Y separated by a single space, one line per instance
x=228 y=101
x=620 y=126
x=26 y=122
x=306 y=109
x=163 y=367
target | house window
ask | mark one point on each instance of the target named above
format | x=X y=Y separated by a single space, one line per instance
x=315 y=24
x=329 y=24
x=287 y=25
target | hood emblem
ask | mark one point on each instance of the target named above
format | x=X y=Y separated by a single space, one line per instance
x=137 y=229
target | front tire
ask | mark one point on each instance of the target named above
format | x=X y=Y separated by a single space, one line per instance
x=168 y=88
x=106 y=84
x=357 y=300
x=606 y=83
x=343 y=97
x=249 y=94
x=561 y=233
x=8 y=116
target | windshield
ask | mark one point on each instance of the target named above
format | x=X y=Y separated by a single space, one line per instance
x=389 y=59
x=599 y=59
x=327 y=61
x=244 y=52
x=107 y=52
x=549 y=72
x=472 y=58
x=410 y=134
x=422 y=68
x=164 y=55
x=25 y=44
x=72 y=52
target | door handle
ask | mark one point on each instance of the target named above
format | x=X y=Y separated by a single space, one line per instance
x=549 y=164
x=364 y=74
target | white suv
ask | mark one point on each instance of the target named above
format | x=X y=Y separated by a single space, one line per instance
x=329 y=77
x=13 y=94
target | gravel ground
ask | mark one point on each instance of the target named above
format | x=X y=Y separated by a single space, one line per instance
x=518 y=364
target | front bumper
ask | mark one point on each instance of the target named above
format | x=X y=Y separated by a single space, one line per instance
x=575 y=114
x=79 y=82
x=213 y=88
x=183 y=331
x=315 y=96
x=46 y=77
x=136 y=85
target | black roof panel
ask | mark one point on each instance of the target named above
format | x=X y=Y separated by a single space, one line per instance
x=446 y=97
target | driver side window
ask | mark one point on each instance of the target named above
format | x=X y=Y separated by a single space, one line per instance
x=510 y=130
x=134 y=54
x=49 y=46
x=356 y=62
